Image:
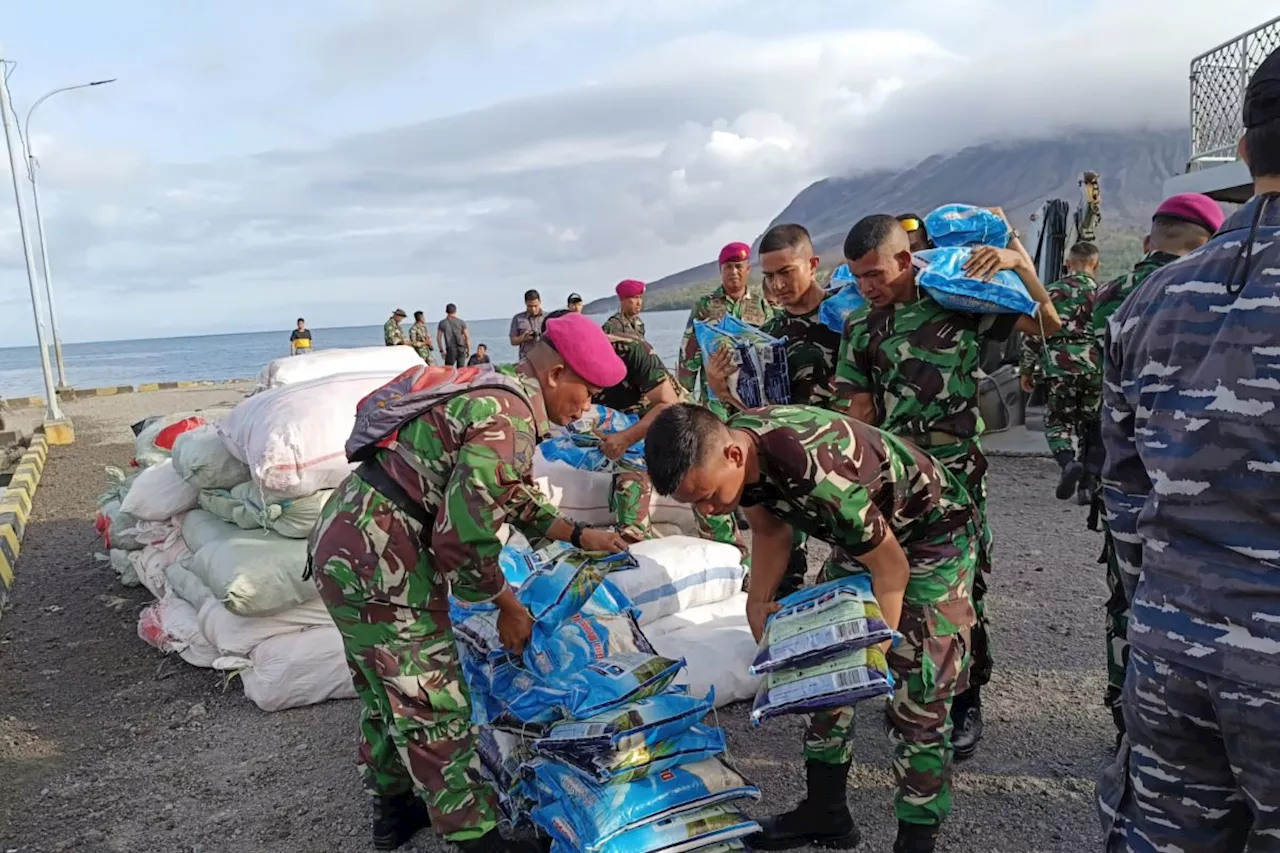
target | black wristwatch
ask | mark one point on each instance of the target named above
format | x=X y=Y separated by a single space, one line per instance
x=575 y=538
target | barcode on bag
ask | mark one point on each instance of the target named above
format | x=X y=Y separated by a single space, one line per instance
x=581 y=731
x=850 y=630
x=853 y=678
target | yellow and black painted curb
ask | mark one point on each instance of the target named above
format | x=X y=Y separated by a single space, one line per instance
x=115 y=390
x=15 y=508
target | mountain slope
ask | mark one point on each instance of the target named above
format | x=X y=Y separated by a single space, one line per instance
x=1018 y=176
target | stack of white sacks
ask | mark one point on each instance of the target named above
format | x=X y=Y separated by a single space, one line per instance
x=215 y=526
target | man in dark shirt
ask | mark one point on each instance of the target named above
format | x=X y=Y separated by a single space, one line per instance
x=453 y=337
x=526 y=327
x=300 y=339
x=481 y=356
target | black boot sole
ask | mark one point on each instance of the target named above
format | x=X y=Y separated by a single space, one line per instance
x=847 y=841
x=1070 y=481
x=964 y=753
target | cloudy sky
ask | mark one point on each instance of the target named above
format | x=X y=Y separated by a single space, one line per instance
x=337 y=158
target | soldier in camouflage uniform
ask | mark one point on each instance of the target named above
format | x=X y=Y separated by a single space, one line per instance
x=1069 y=364
x=1182 y=224
x=790 y=267
x=909 y=366
x=909 y=523
x=732 y=297
x=446 y=457
x=630 y=303
x=392 y=334
x=1191 y=428
x=420 y=338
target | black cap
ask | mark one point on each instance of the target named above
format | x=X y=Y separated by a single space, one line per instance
x=399 y=312
x=1262 y=98
x=573 y=297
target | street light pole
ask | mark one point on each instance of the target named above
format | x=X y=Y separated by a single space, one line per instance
x=52 y=412
x=32 y=165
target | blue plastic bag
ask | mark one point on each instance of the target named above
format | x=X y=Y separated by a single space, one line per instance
x=582 y=640
x=763 y=377
x=523 y=696
x=617 y=681
x=946 y=282
x=844 y=298
x=600 y=813
x=579 y=446
x=966 y=225
x=636 y=726
x=698 y=743
x=697 y=829
x=558 y=590
x=836 y=683
x=821 y=622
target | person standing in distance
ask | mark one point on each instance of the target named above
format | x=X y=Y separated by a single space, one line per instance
x=526 y=327
x=481 y=356
x=630 y=303
x=575 y=303
x=300 y=339
x=453 y=337
x=1191 y=430
x=420 y=338
x=392 y=334
x=445 y=460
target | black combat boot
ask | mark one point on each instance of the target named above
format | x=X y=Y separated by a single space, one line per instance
x=915 y=838
x=1072 y=472
x=822 y=819
x=493 y=842
x=396 y=819
x=966 y=723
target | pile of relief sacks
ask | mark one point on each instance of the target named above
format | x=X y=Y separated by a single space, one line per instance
x=763 y=378
x=585 y=735
x=821 y=650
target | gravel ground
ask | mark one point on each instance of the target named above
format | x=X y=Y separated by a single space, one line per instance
x=105 y=745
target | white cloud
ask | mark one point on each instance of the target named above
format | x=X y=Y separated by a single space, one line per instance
x=646 y=170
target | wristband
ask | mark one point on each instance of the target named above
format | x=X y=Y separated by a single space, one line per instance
x=575 y=538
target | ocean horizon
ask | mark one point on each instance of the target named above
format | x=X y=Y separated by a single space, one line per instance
x=241 y=355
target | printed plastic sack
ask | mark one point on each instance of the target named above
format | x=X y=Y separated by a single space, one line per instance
x=582 y=640
x=601 y=813
x=502 y=754
x=822 y=622
x=579 y=446
x=763 y=378
x=836 y=683
x=159 y=494
x=844 y=299
x=616 y=681
x=521 y=694
x=697 y=829
x=945 y=280
x=697 y=744
x=966 y=225
x=637 y=726
x=559 y=589
x=201 y=458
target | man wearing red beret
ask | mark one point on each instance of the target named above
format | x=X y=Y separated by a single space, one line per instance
x=627 y=321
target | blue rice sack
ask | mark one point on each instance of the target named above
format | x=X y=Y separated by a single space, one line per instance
x=556 y=591
x=515 y=565
x=522 y=696
x=598 y=813
x=822 y=622
x=697 y=829
x=578 y=445
x=501 y=755
x=966 y=225
x=616 y=681
x=945 y=280
x=584 y=640
x=697 y=744
x=836 y=683
x=637 y=726
x=763 y=377
x=844 y=299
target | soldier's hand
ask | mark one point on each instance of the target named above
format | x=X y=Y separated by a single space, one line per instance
x=720 y=368
x=1028 y=384
x=515 y=624
x=985 y=261
x=758 y=613
x=613 y=445
x=602 y=540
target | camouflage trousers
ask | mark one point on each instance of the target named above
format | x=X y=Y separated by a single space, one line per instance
x=629 y=499
x=416 y=732
x=1197 y=770
x=930 y=666
x=1117 y=629
x=1072 y=406
x=427 y=354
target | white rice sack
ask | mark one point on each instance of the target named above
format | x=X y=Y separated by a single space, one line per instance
x=171 y=625
x=121 y=563
x=731 y=608
x=255 y=573
x=293 y=670
x=181 y=582
x=717 y=655
x=251 y=507
x=153 y=561
x=201 y=458
x=584 y=496
x=159 y=494
x=240 y=635
x=293 y=438
x=201 y=527
x=318 y=364
x=678 y=573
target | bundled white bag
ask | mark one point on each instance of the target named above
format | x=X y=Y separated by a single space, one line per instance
x=240 y=635
x=250 y=507
x=201 y=458
x=733 y=607
x=293 y=670
x=293 y=437
x=159 y=494
x=201 y=527
x=584 y=496
x=181 y=582
x=172 y=625
x=321 y=363
x=678 y=573
x=717 y=654
x=255 y=573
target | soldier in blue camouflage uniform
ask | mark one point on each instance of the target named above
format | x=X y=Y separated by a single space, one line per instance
x=1191 y=425
x=1182 y=224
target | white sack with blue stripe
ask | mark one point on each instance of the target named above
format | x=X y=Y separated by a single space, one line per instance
x=679 y=573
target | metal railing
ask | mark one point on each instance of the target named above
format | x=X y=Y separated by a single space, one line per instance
x=1218 y=81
